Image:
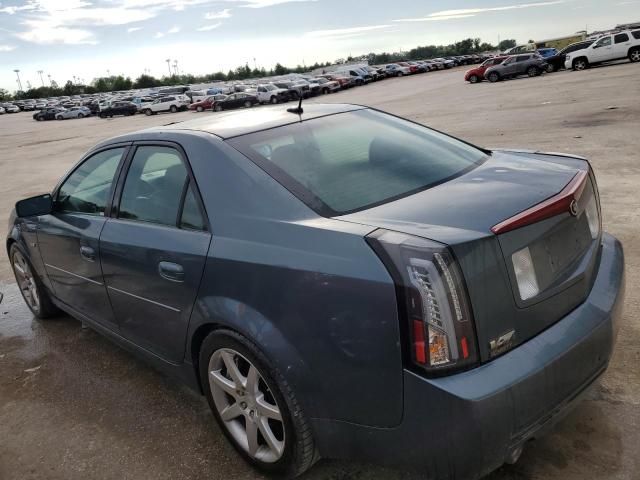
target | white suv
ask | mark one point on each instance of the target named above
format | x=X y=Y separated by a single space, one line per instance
x=171 y=103
x=269 y=93
x=614 y=46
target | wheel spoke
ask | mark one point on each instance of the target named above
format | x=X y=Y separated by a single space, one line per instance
x=224 y=383
x=232 y=369
x=252 y=437
x=273 y=443
x=19 y=269
x=253 y=378
x=266 y=409
x=230 y=412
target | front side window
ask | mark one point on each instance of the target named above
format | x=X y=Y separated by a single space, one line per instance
x=351 y=161
x=154 y=186
x=88 y=188
x=523 y=58
x=604 y=42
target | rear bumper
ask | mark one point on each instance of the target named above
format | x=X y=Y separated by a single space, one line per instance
x=466 y=425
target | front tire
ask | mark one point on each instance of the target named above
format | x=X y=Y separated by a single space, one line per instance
x=474 y=79
x=33 y=292
x=580 y=64
x=218 y=108
x=254 y=405
x=273 y=100
x=248 y=104
x=533 y=72
x=550 y=68
x=199 y=109
x=148 y=112
x=173 y=109
x=634 y=55
x=493 y=77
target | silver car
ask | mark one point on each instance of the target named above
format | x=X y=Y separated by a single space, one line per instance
x=73 y=112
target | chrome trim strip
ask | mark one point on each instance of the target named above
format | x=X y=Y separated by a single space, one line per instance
x=145 y=299
x=73 y=274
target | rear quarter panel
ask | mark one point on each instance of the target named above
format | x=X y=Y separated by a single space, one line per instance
x=308 y=291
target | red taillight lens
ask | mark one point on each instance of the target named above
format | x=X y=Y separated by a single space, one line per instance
x=432 y=298
x=551 y=207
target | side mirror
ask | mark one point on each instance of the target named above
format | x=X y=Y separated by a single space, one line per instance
x=34 y=206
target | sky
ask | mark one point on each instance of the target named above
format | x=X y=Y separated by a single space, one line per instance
x=92 y=38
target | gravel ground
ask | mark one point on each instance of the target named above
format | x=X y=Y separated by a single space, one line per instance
x=74 y=406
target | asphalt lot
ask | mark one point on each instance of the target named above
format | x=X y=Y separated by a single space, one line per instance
x=74 y=406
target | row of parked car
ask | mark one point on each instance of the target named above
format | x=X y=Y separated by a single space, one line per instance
x=227 y=96
x=577 y=56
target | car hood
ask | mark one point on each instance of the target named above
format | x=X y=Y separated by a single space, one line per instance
x=466 y=207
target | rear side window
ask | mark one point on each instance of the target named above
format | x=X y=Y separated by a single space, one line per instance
x=352 y=161
x=192 y=217
x=621 y=38
x=636 y=34
x=523 y=58
x=154 y=186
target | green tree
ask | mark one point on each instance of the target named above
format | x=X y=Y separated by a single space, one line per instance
x=280 y=69
x=146 y=81
x=4 y=95
x=507 y=43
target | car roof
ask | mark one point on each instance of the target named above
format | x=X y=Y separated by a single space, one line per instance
x=241 y=122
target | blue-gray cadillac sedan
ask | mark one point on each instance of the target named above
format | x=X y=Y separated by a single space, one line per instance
x=339 y=282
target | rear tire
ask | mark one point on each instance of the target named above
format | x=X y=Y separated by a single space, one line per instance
x=273 y=100
x=297 y=452
x=533 y=72
x=634 y=55
x=550 y=68
x=102 y=115
x=33 y=291
x=248 y=104
x=148 y=112
x=80 y=115
x=199 y=109
x=218 y=108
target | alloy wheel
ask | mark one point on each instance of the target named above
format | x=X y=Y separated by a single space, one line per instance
x=26 y=281
x=635 y=56
x=246 y=405
x=580 y=65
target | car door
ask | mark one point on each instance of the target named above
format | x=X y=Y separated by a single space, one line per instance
x=69 y=237
x=621 y=44
x=153 y=249
x=602 y=50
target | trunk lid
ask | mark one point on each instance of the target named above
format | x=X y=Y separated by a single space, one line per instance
x=461 y=213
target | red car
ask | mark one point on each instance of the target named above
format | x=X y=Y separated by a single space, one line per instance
x=476 y=75
x=206 y=104
x=342 y=80
x=413 y=68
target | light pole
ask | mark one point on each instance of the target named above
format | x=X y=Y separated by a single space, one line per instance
x=168 y=60
x=49 y=75
x=175 y=67
x=40 y=72
x=18 y=75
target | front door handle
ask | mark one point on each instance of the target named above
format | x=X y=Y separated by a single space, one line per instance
x=88 y=253
x=171 y=271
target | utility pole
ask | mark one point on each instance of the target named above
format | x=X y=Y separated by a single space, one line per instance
x=40 y=72
x=18 y=75
x=168 y=60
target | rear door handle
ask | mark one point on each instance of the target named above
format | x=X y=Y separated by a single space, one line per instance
x=171 y=271
x=88 y=253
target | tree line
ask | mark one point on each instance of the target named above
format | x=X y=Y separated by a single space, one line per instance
x=119 y=82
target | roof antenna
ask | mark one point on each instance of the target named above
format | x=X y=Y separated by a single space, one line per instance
x=297 y=110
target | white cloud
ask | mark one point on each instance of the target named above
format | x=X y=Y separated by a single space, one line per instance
x=173 y=30
x=344 y=31
x=439 y=18
x=226 y=13
x=472 y=12
x=133 y=29
x=7 y=48
x=44 y=33
x=158 y=35
x=208 y=28
x=266 y=3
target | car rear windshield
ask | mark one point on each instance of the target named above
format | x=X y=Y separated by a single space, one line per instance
x=351 y=161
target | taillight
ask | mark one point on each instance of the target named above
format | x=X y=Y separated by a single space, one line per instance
x=433 y=300
x=560 y=203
